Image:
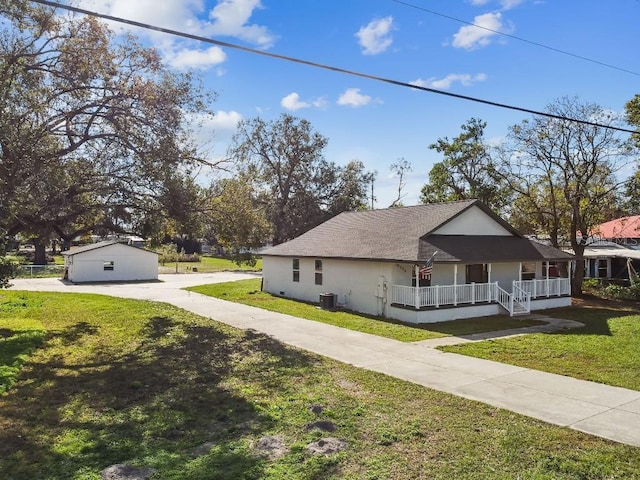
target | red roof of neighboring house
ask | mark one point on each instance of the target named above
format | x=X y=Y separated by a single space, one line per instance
x=625 y=227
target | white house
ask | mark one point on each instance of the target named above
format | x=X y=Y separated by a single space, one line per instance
x=421 y=264
x=110 y=261
x=610 y=261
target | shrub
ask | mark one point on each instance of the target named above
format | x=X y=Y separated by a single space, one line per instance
x=623 y=293
x=8 y=270
x=168 y=253
x=591 y=284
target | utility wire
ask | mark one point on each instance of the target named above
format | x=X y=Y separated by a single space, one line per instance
x=326 y=67
x=520 y=39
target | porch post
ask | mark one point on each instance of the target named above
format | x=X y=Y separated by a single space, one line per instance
x=547 y=263
x=520 y=271
x=455 y=284
x=417 y=288
x=488 y=273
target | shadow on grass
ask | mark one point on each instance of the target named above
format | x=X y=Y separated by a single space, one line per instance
x=15 y=347
x=595 y=319
x=150 y=406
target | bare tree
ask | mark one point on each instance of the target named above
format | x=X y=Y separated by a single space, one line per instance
x=400 y=169
x=565 y=172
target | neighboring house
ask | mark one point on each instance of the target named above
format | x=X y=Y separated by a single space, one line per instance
x=623 y=231
x=421 y=264
x=110 y=261
x=611 y=262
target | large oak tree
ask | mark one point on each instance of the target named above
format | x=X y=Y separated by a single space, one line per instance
x=465 y=171
x=92 y=126
x=284 y=161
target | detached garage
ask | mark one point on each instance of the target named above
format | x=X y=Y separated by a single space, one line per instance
x=110 y=261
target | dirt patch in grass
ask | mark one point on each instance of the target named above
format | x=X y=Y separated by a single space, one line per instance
x=591 y=301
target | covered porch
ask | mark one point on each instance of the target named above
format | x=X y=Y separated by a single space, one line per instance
x=515 y=296
x=457 y=295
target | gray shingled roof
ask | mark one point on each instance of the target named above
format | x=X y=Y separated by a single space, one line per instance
x=486 y=249
x=402 y=234
x=97 y=245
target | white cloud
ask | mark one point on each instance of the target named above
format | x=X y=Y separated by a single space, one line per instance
x=374 y=38
x=174 y=14
x=505 y=4
x=320 y=102
x=509 y=4
x=201 y=59
x=228 y=18
x=353 y=98
x=209 y=131
x=227 y=121
x=471 y=36
x=445 y=83
x=292 y=102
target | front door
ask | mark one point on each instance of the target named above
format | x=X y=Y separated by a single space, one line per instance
x=477 y=273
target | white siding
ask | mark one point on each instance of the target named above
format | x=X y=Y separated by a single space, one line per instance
x=356 y=283
x=365 y=286
x=129 y=263
x=505 y=274
x=472 y=222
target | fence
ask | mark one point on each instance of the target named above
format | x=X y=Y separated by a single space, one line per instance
x=40 y=270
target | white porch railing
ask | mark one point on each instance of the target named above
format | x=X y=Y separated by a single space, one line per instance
x=443 y=295
x=518 y=301
x=551 y=287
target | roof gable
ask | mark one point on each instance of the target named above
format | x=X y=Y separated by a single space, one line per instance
x=475 y=220
x=103 y=244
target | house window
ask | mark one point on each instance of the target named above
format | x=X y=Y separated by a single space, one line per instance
x=528 y=271
x=602 y=268
x=477 y=273
x=318 y=272
x=108 y=266
x=296 y=269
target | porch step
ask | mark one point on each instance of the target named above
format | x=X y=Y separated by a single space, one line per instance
x=520 y=310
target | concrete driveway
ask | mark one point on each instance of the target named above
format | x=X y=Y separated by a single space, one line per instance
x=594 y=408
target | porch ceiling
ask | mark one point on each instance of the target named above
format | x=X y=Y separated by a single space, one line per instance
x=486 y=249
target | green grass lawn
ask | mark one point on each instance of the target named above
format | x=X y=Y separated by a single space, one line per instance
x=211 y=264
x=248 y=292
x=125 y=381
x=606 y=350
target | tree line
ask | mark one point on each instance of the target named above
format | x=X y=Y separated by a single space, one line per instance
x=96 y=138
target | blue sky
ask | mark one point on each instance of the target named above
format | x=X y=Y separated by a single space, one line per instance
x=379 y=123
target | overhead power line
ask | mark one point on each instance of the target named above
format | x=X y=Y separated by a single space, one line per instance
x=323 y=66
x=520 y=39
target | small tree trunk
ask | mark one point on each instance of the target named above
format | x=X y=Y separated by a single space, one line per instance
x=40 y=253
x=578 y=271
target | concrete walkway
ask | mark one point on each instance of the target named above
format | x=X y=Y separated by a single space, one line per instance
x=594 y=408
